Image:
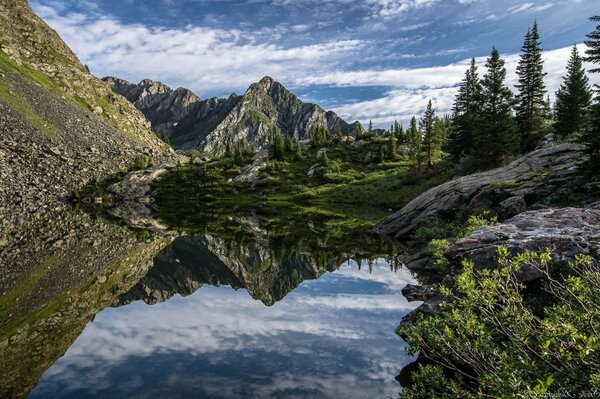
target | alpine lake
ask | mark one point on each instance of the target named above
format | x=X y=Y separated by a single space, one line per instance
x=265 y=300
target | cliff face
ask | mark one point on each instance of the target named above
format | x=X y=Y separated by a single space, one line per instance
x=209 y=125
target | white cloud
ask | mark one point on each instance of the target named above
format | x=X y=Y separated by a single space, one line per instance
x=200 y=58
x=414 y=87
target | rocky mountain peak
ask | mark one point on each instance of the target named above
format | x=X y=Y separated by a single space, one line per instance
x=210 y=125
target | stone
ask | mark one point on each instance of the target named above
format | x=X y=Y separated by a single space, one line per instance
x=512 y=207
x=527 y=176
x=417 y=293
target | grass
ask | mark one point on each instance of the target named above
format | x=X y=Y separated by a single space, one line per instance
x=20 y=105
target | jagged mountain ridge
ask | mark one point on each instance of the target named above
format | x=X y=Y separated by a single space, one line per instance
x=209 y=125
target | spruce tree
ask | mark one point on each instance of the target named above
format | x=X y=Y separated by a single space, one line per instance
x=499 y=139
x=278 y=146
x=359 y=132
x=466 y=118
x=370 y=132
x=592 y=138
x=531 y=106
x=573 y=100
x=431 y=139
x=415 y=139
x=392 y=146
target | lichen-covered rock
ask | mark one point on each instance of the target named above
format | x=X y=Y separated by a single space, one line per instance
x=567 y=232
x=536 y=176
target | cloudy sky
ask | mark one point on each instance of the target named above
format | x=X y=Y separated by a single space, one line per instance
x=365 y=59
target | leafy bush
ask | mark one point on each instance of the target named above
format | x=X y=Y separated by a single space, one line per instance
x=141 y=161
x=436 y=250
x=487 y=342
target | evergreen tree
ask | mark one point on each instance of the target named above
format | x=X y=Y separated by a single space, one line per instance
x=592 y=138
x=278 y=146
x=370 y=132
x=288 y=144
x=593 y=46
x=228 y=150
x=431 y=140
x=573 y=100
x=531 y=106
x=499 y=139
x=415 y=139
x=392 y=146
x=338 y=134
x=359 y=132
x=466 y=117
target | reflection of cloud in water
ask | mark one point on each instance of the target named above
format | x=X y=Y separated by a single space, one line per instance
x=218 y=342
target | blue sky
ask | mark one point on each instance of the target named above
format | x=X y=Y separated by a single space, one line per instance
x=365 y=59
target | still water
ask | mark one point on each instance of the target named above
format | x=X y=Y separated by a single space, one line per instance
x=274 y=306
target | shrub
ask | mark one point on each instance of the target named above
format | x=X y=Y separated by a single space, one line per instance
x=141 y=161
x=487 y=342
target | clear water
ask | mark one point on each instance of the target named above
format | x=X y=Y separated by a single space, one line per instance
x=330 y=337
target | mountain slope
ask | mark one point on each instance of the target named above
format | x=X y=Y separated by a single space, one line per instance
x=60 y=127
x=209 y=125
x=29 y=42
x=177 y=114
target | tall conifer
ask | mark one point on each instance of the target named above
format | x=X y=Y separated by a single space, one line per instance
x=499 y=139
x=573 y=100
x=531 y=101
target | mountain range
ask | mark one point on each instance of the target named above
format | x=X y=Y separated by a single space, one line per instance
x=210 y=125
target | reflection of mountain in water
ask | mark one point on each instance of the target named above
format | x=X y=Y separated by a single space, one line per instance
x=191 y=262
x=268 y=264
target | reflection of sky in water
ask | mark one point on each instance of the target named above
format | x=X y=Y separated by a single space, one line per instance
x=330 y=338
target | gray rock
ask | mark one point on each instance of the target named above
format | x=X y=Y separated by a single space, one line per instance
x=512 y=207
x=528 y=176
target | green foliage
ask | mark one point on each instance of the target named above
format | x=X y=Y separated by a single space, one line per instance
x=466 y=119
x=499 y=139
x=141 y=162
x=486 y=342
x=436 y=250
x=531 y=108
x=277 y=147
x=415 y=145
x=573 y=100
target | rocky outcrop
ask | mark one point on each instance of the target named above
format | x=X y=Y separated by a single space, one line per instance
x=541 y=177
x=53 y=139
x=210 y=125
x=567 y=232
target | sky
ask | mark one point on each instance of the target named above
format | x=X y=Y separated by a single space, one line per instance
x=377 y=60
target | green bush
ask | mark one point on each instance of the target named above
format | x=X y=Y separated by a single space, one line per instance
x=487 y=342
x=141 y=162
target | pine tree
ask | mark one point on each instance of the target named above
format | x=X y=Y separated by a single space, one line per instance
x=338 y=134
x=573 y=100
x=359 y=132
x=593 y=46
x=500 y=138
x=278 y=146
x=466 y=117
x=592 y=138
x=431 y=138
x=392 y=146
x=415 y=139
x=370 y=132
x=288 y=144
x=531 y=101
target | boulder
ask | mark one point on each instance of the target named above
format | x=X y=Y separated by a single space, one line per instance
x=417 y=293
x=567 y=232
x=512 y=207
x=534 y=177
